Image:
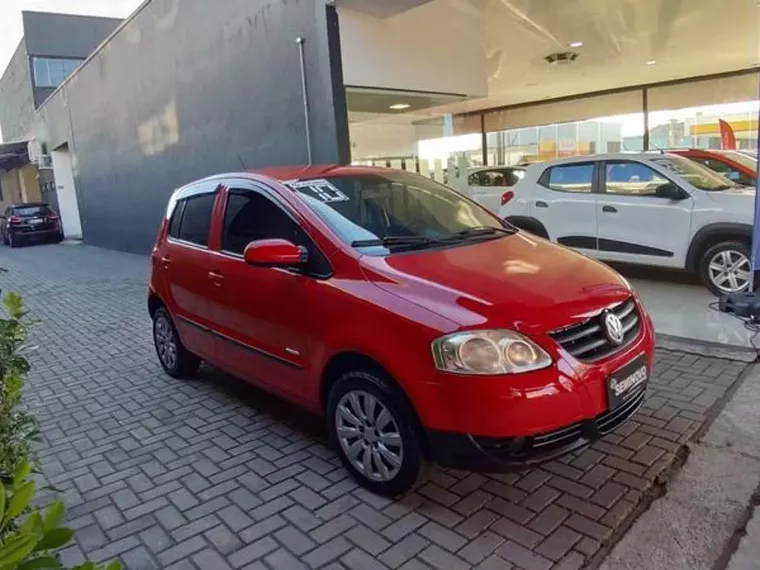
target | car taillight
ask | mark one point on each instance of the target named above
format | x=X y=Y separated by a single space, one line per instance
x=14 y=220
x=52 y=216
x=507 y=196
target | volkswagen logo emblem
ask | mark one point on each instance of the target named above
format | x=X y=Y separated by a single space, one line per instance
x=613 y=328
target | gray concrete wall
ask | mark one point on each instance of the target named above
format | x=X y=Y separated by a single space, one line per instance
x=65 y=35
x=188 y=89
x=16 y=98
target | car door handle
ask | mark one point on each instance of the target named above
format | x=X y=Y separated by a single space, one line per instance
x=216 y=278
x=165 y=262
x=609 y=209
x=541 y=204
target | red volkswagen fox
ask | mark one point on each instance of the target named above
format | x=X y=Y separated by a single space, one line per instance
x=419 y=324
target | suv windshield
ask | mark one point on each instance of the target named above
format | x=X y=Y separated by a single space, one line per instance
x=30 y=211
x=397 y=210
x=695 y=174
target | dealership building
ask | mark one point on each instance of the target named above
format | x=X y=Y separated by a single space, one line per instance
x=184 y=89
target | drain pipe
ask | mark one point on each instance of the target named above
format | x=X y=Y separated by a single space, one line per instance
x=300 y=41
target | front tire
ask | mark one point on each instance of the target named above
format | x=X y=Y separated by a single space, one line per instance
x=12 y=242
x=726 y=268
x=374 y=432
x=175 y=359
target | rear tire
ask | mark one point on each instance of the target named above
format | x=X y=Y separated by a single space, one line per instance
x=726 y=268
x=12 y=242
x=374 y=433
x=175 y=359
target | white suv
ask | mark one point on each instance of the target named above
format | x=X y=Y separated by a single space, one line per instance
x=649 y=209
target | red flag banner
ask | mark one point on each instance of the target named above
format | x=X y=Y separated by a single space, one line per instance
x=727 y=137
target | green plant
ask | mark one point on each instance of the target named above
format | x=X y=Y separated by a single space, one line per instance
x=17 y=427
x=32 y=545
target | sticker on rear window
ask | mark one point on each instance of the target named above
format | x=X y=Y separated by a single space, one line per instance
x=322 y=190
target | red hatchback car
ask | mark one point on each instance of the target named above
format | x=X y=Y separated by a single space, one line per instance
x=418 y=323
x=736 y=166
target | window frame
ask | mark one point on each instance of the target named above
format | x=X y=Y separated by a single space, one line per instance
x=243 y=186
x=603 y=178
x=545 y=177
x=64 y=62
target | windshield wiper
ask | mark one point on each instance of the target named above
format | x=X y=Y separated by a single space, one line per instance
x=390 y=241
x=482 y=231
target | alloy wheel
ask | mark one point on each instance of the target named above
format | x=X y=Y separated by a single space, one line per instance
x=369 y=436
x=166 y=343
x=730 y=271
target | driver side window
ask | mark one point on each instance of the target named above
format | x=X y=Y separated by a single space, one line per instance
x=250 y=216
x=632 y=179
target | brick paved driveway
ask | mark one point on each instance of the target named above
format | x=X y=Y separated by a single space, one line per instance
x=213 y=474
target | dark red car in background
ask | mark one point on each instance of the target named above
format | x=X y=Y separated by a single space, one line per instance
x=419 y=324
x=734 y=165
x=30 y=223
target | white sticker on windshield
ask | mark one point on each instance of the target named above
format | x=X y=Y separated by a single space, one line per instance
x=322 y=190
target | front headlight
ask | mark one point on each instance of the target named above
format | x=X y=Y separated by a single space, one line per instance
x=488 y=352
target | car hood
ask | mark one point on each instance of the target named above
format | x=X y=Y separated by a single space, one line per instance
x=517 y=281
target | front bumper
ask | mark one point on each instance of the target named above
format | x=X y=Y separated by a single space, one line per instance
x=505 y=454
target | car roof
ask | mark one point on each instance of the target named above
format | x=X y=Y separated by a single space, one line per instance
x=288 y=173
x=495 y=167
x=27 y=204
x=607 y=156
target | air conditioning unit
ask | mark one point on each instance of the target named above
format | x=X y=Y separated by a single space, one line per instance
x=36 y=152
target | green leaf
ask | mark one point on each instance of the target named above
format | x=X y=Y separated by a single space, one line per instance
x=114 y=565
x=86 y=566
x=55 y=539
x=19 y=501
x=2 y=501
x=34 y=525
x=22 y=472
x=54 y=515
x=16 y=548
x=43 y=563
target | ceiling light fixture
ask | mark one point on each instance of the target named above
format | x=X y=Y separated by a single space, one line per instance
x=651 y=62
x=575 y=44
x=400 y=106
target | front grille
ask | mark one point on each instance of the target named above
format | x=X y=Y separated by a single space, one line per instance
x=548 y=444
x=588 y=340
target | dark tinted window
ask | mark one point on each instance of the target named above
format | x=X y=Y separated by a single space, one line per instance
x=250 y=216
x=569 y=178
x=176 y=220
x=196 y=219
x=30 y=211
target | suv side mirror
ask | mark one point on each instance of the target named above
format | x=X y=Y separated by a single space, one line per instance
x=670 y=191
x=274 y=253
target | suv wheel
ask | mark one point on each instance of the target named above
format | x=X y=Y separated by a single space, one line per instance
x=174 y=357
x=374 y=433
x=727 y=268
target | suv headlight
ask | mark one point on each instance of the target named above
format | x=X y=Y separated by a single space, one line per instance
x=488 y=352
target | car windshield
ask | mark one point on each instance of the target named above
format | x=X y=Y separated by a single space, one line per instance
x=743 y=159
x=30 y=211
x=695 y=174
x=385 y=212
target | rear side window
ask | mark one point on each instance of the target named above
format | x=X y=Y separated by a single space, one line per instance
x=196 y=219
x=569 y=178
x=176 y=220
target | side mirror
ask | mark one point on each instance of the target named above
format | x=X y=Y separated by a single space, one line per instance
x=274 y=253
x=670 y=191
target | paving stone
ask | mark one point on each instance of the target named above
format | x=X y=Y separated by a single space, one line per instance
x=210 y=473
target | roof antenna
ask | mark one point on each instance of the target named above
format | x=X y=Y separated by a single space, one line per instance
x=240 y=158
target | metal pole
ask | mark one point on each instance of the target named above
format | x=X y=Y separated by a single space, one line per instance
x=645 y=109
x=300 y=41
